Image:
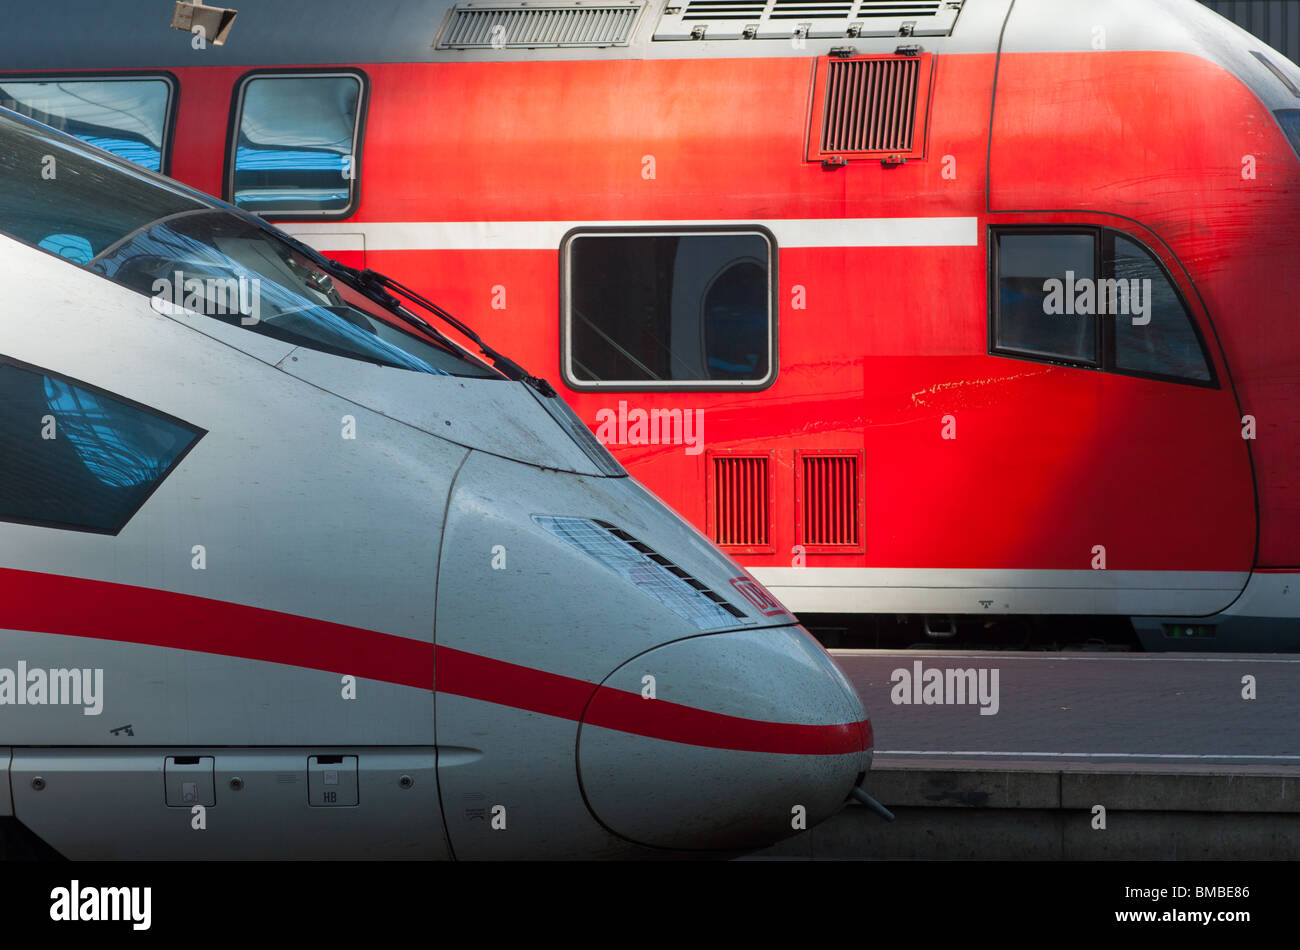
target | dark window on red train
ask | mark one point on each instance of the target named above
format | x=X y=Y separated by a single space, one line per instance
x=73 y=456
x=1289 y=120
x=669 y=311
x=1157 y=337
x=296 y=143
x=1091 y=297
x=1036 y=277
x=128 y=116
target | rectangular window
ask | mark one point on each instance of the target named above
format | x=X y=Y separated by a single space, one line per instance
x=296 y=147
x=669 y=310
x=128 y=116
x=1036 y=277
x=1092 y=297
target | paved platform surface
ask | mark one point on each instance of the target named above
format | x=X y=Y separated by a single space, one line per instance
x=1081 y=711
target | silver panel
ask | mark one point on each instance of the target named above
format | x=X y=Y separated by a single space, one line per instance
x=96 y=804
x=90 y=34
x=1276 y=22
x=943 y=591
x=782 y=19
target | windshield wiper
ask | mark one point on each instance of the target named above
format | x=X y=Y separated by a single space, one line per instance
x=377 y=286
x=380 y=288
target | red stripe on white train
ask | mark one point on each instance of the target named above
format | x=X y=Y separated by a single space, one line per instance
x=102 y=610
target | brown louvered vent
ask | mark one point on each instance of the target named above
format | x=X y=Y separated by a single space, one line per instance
x=830 y=500
x=740 y=496
x=870 y=105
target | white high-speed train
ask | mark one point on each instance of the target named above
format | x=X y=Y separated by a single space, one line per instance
x=288 y=571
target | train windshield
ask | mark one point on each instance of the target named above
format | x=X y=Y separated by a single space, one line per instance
x=186 y=251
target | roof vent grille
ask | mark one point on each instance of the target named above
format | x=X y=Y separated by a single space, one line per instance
x=528 y=26
x=816 y=19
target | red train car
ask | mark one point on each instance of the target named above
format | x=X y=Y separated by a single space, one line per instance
x=944 y=316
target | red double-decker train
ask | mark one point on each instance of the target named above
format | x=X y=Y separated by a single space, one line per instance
x=941 y=317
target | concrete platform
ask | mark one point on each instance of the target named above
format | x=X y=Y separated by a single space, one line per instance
x=1029 y=813
x=1184 y=765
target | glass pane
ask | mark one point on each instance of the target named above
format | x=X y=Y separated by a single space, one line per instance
x=128 y=117
x=75 y=457
x=72 y=202
x=1289 y=119
x=1040 y=295
x=669 y=308
x=735 y=323
x=139 y=230
x=1154 y=333
x=294 y=154
x=221 y=266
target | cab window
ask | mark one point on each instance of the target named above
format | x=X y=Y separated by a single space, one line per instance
x=1091 y=297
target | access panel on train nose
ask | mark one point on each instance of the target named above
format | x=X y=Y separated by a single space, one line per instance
x=313 y=803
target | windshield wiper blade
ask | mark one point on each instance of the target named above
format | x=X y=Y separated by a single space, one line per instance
x=380 y=288
x=383 y=284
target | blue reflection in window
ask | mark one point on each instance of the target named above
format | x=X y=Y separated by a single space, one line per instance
x=73 y=247
x=141 y=153
x=293 y=153
x=127 y=117
x=122 y=446
x=287 y=312
x=735 y=323
x=74 y=457
x=276 y=159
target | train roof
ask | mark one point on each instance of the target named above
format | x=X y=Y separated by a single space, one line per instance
x=137 y=34
x=127 y=33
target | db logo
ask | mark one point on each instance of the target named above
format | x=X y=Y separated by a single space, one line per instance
x=753 y=592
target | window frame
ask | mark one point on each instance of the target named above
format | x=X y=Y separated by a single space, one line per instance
x=1103 y=241
x=237 y=94
x=669 y=230
x=173 y=101
x=198 y=432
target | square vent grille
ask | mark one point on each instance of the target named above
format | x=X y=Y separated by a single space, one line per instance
x=870 y=106
x=827 y=19
x=829 y=501
x=739 y=502
x=530 y=26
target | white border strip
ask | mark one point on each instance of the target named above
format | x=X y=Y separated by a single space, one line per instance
x=546 y=235
x=1090 y=755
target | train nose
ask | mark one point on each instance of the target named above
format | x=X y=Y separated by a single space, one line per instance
x=727 y=741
